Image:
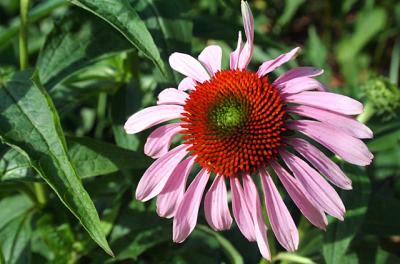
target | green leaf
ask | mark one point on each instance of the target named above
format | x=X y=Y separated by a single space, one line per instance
x=29 y=122
x=290 y=9
x=316 y=51
x=14 y=166
x=383 y=216
x=15 y=229
x=90 y=157
x=385 y=142
x=94 y=157
x=228 y=248
x=292 y=258
x=56 y=242
x=127 y=100
x=339 y=234
x=170 y=28
x=368 y=24
x=78 y=40
x=132 y=235
x=123 y=17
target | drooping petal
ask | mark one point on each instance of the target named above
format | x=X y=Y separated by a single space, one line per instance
x=320 y=191
x=297 y=73
x=156 y=176
x=189 y=66
x=281 y=221
x=349 y=148
x=321 y=162
x=172 y=96
x=152 y=116
x=254 y=204
x=241 y=211
x=187 y=84
x=171 y=195
x=234 y=57
x=216 y=205
x=301 y=84
x=329 y=101
x=186 y=216
x=248 y=22
x=300 y=197
x=347 y=124
x=271 y=65
x=159 y=141
x=211 y=58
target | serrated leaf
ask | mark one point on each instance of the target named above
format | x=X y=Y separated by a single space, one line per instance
x=339 y=234
x=30 y=123
x=78 y=40
x=123 y=17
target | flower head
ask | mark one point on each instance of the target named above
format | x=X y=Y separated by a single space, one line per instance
x=237 y=124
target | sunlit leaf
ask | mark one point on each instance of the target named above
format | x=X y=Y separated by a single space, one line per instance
x=29 y=123
x=124 y=18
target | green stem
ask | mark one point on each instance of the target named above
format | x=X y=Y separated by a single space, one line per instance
x=395 y=63
x=367 y=114
x=23 y=39
x=40 y=194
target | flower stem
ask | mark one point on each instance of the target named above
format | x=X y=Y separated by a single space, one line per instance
x=367 y=114
x=23 y=39
x=40 y=194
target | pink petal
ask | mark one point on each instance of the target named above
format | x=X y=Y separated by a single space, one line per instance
x=186 y=216
x=172 y=96
x=152 y=116
x=271 y=65
x=241 y=211
x=329 y=101
x=298 y=72
x=248 y=22
x=171 y=196
x=254 y=204
x=321 y=162
x=189 y=66
x=159 y=141
x=320 y=191
x=187 y=84
x=156 y=176
x=347 y=124
x=211 y=58
x=301 y=84
x=300 y=197
x=216 y=205
x=281 y=221
x=234 y=57
x=347 y=147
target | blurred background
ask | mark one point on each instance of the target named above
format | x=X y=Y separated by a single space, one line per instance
x=97 y=76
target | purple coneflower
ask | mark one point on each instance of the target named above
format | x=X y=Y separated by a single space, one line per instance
x=236 y=125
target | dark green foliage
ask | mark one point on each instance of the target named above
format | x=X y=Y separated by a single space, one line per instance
x=68 y=171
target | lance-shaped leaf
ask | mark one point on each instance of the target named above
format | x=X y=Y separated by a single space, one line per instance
x=76 y=41
x=122 y=16
x=30 y=123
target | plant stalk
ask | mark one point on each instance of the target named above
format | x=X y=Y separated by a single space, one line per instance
x=23 y=32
